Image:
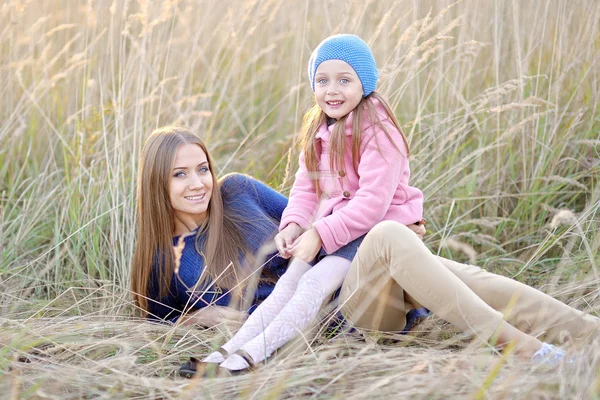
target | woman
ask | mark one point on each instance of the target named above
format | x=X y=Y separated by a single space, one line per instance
x=223 y=227
x=181 y=201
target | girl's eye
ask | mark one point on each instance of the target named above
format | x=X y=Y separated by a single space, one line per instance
x=322 y=81
x=344 y=80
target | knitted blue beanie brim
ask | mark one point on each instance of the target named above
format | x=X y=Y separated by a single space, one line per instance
x=350 y=49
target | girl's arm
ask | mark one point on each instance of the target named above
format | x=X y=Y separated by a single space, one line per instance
x=418 y=229
x=303 y=200
x=381 y=169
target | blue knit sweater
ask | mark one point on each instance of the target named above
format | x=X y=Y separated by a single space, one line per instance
x=261 y=207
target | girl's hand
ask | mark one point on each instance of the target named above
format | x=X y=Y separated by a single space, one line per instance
x=418 y=229
x=307 y=246
x=285 y=239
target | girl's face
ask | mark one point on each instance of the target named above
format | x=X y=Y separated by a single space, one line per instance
x=337 y=88
x=190 y=187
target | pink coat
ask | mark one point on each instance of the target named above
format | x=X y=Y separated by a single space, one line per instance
x=351 y=204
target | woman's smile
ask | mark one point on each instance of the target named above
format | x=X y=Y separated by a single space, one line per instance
x=190 y=187
x=196 y=198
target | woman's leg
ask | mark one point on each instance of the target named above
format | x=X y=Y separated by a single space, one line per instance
x=314 y=287
x=392 y=250
x=370 y=297
x=528 y=309
x=266 y=312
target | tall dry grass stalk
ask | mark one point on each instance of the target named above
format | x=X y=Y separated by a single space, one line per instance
x=500 y=103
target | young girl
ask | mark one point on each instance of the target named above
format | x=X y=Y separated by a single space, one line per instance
x=353 y=174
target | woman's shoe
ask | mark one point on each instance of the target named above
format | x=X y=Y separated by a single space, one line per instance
x=414 y=317
x=552 y=355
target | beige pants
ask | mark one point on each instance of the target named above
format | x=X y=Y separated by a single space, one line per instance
x=394 y=271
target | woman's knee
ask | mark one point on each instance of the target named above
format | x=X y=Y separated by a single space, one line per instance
x=392 y=233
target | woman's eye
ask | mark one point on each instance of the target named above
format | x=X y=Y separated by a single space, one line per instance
x=203 y=169
x=179 y=174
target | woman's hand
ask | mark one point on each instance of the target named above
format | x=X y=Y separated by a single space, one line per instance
x=210 y=316
x=418 y=229
x=307 y=246
x=285 y=239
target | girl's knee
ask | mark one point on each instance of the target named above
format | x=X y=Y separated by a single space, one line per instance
x=295 y=271
x=330 y=272
x=297 y=268
x=310 y=284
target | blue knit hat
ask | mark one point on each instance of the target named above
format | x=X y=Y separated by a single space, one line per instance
x=350 y=49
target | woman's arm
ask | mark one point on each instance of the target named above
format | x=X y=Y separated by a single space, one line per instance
x=210 y=316
x=185 y=293
x=270 y=201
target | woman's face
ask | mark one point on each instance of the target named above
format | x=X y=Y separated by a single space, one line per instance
x=190 y=187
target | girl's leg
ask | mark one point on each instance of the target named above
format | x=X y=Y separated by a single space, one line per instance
x=314 y=287
x=526 y=308
x=392 y=252
x=266 y=312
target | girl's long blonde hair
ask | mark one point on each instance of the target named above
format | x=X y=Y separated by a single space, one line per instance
x=315 y=117
x=156 y=223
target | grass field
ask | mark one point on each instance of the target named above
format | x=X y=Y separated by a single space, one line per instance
x=500 y=101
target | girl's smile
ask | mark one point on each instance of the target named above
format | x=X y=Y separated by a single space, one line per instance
x=338 y=90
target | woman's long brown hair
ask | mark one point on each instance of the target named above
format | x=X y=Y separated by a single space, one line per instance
x=156 y=223
x=315 y=117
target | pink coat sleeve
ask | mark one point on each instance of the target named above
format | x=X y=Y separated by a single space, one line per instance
x=303 y=201
x=380 y=170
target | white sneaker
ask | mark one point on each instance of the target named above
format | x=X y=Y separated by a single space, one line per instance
x=550 y=355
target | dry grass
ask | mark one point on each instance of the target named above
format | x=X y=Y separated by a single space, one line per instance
x=99 y=356
x=500 y=103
